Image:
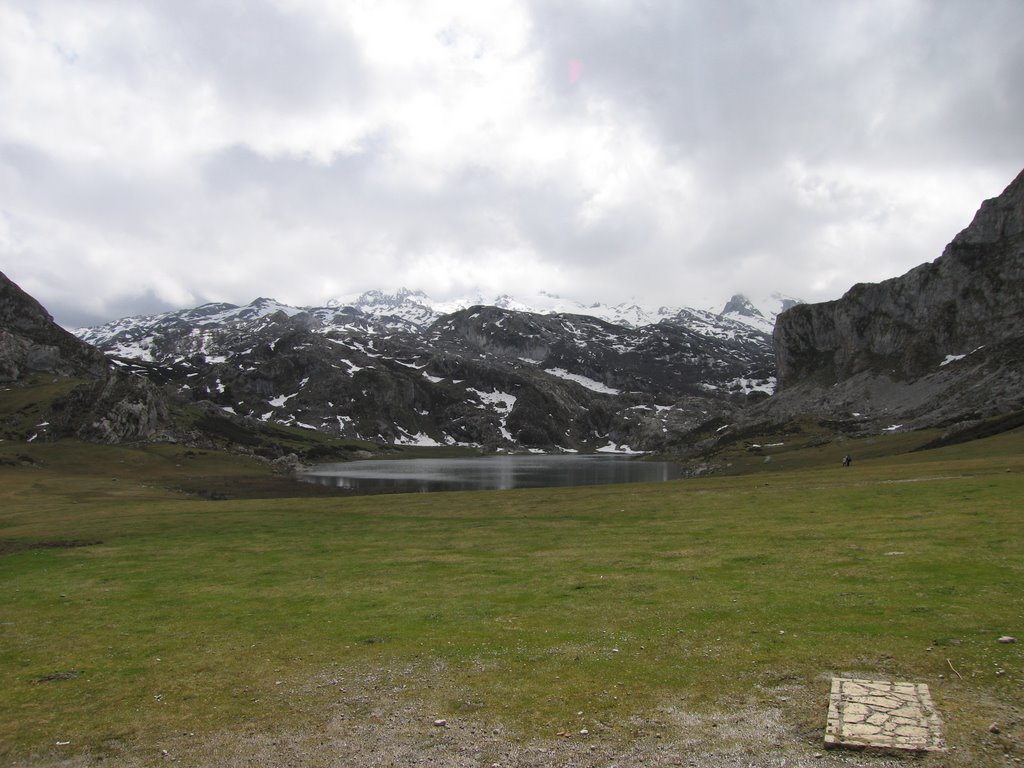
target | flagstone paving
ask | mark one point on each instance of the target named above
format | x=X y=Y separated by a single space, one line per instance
x=882 y=715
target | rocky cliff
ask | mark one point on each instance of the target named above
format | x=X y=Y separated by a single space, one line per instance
x=941 y=344
x=30 y=342
x=103 y=405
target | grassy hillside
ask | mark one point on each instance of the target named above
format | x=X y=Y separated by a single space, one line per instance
x=705 y=615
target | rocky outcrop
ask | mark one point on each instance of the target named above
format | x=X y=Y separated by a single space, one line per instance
x=30 y=342
x=106 y=406
x=941 y=344
x=117 y=408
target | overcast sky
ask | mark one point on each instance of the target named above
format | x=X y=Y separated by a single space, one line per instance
x=160 y=154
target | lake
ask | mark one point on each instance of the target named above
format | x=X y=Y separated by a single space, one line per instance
x=488 y=473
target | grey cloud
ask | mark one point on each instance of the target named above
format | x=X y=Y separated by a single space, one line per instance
x=470 y=213
x=255 y=53
x=733 y=93
x=90 y=195
x=146 y=303
x=742 y=82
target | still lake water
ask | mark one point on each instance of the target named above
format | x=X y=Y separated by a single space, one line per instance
x=488 y=473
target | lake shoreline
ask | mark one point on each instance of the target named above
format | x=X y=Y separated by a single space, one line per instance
x=492 y=472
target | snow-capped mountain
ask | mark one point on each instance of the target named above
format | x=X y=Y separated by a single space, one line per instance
x=399 y=367
x=760 y=314
x=408 y=310
x=553 y=374
x=417 y=308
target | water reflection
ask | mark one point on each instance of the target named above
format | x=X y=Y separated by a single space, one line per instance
x=488 y=473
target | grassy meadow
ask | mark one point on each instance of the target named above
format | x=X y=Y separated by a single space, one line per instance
x=137 y=615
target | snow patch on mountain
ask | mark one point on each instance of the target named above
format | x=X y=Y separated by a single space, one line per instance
x=583 y=381
x=746 y=386
x=953 y=358
x=420 y=440
x=499 y=400
x=280 y=400
x=503 y=403
x=612 y=447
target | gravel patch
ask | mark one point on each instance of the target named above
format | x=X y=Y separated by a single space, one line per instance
x=370 y=719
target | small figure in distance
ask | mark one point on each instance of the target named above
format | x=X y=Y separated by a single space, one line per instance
x=847 y=460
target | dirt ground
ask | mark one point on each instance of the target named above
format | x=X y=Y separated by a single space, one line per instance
x=372 y=722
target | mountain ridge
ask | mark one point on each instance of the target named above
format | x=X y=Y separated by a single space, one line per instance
x=942 y=345
x=392 y=368
x=404 y=307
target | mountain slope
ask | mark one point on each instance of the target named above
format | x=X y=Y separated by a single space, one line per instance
x=93 y=401
x=30 y=341
x=53 y=386
x=942 y=344
x=389 y=367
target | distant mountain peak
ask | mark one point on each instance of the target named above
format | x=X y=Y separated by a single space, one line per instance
x=396 y=294
x=760 y=313
x=741 y=305
x=418 y=308
x=378 y=296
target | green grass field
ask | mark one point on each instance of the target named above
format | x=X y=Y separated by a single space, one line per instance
x=133 y=615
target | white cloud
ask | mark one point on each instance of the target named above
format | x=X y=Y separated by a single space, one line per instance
x=175 y=151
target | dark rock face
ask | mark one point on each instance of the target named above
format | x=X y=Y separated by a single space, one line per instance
x=108 y=406
x=30 y=342
x=117 y=408
x=941 y=343
x=740 y=305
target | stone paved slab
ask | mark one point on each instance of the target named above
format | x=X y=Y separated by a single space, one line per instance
x=882 y=715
